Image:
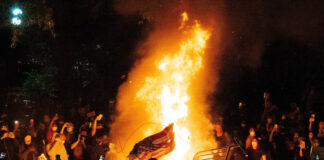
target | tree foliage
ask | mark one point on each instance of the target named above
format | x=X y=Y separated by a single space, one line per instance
x=39 y=86
x=35 y=13
x=67 y=49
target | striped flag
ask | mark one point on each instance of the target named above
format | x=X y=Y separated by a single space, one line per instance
x=154 y=146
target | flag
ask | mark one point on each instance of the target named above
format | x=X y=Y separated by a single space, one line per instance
x=154 y=146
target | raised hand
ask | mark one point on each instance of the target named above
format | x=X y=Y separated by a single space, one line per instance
x=311 y=119
x=98 y=118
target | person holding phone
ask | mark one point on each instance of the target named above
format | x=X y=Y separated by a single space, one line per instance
x=79 y=147
x=302 y=152
x=9 y=146
x=99 y=144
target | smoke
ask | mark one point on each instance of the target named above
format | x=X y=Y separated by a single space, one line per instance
x=303 y=22
x=253 y=26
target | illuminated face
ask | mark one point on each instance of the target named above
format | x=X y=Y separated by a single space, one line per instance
x=266 y=95
x=296 y=135
x=310 y=135
x=218 y=128
x=28 y=140
x=269 y=120
x=291 y=146
x=46 y=119
x=99 y=141
x=254 y=144
x=4 y=128
x=84 y=133
x=69 y=129
x=240 y=104
x=105 y=139
x=302 y=144
x=54 y=128
x=243 y=124
x=283 y=117
x=252 y=132
x=41 y=126
x=264 y=157
x=321 y=125
x=316 y=142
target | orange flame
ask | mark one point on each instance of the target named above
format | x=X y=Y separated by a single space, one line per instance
x=185 y=18
x=165 y=95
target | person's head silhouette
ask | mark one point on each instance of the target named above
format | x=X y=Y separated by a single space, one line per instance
x=58 y=157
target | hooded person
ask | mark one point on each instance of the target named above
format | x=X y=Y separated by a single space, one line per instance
x=254 y=150
x=27 y=150
x=9 y=146
x=57 y=148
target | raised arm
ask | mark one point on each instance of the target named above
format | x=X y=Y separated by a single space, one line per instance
x=301 y=148
x=274 y=129
x=311 y=121
x=52 y=122
x=31 y=128
x=75 y=143
x=63 y=127
x=94 y=126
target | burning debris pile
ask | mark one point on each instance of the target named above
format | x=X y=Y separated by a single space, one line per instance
x=165 y=88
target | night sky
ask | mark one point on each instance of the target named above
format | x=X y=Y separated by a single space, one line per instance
x=268 y=45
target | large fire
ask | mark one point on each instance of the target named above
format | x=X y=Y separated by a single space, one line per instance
x=160 y=91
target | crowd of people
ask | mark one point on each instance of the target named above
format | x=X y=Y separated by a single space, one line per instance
x=57 y=136
x=80 y=134
x=277 y=135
